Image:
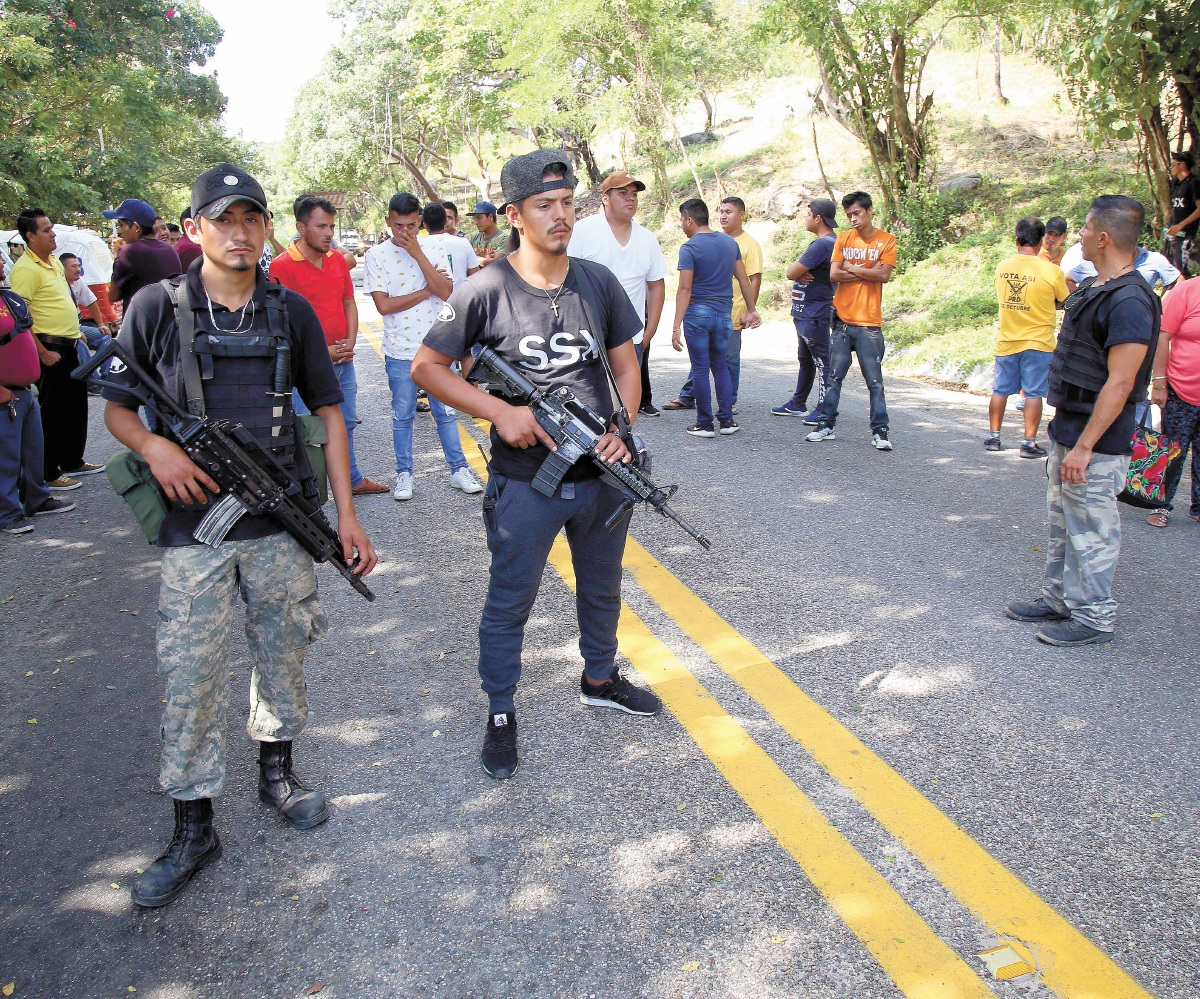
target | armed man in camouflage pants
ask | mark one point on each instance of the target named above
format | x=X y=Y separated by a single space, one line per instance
x=243 y=331
x=1099 y=372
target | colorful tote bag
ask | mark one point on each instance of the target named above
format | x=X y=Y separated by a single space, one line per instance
x=1153 y=454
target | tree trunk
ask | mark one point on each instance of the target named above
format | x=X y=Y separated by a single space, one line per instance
x=1189 y=93
x=424 y=183
x=1157 y=144
x=996 y=59
x=709 y=109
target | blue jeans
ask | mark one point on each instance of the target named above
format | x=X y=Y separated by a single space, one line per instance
x=867 y=343
x=22 y=483
x=733 y=361
x=521 y=527
x=91 y=340
x=812 y=351
x=708 y=333
x=404 y=412
x=348 y=380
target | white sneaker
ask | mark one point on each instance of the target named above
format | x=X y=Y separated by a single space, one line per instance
x=822 y=433
x=464 y=480
x=404 y=486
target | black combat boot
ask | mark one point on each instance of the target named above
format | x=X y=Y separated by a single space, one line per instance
x=194 y=846
x=278 y=785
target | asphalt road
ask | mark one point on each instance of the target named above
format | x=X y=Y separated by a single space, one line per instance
x=623 y=860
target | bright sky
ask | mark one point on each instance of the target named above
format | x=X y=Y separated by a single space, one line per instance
x=252 y=60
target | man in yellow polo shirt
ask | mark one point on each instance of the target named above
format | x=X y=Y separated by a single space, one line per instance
x=39 y=279
x=1029 y=289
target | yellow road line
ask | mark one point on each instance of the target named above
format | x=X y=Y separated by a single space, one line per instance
x=907 y=949
x=1071 y=965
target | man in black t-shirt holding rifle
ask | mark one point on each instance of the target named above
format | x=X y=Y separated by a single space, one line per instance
x=530 y=308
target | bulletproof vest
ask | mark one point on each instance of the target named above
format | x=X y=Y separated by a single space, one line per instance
x=1079 y=367
x=245 y=378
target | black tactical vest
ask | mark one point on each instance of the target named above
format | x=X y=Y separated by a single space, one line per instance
x=247 y=377
x=1079 y=367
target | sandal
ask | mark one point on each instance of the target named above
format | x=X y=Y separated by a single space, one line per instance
x=1158 y=518
x=675 y=404
x=1195 y=517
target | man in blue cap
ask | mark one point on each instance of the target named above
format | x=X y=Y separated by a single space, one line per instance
x=144 y=258
x=489 y=241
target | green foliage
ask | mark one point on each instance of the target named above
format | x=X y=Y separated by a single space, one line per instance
x=68 y=70
x=923 y=224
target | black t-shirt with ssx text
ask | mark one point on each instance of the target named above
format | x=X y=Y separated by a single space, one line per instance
x=497 y=309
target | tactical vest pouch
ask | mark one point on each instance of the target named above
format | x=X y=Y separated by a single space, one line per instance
x=312 y=433
x=133 y=481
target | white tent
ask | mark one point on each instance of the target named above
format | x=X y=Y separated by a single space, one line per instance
x=88 y=245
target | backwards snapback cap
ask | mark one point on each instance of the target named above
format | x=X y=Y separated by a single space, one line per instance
x=521 y=177
x=135 y=210
x=825 y=209
x=216 y=189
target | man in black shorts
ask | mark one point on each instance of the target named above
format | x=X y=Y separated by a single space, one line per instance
x=550 y=315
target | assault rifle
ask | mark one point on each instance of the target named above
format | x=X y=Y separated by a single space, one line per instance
x=251 y=479
x=576 y=431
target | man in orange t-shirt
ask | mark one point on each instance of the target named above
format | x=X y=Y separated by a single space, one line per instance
x=863 y=261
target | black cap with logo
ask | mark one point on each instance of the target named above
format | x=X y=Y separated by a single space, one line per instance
x=522 y=177
x=216 y=189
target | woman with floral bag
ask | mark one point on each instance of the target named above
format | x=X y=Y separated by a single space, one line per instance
x=1176 y=390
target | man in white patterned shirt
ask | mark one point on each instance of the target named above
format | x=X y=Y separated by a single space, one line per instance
x=409 y=283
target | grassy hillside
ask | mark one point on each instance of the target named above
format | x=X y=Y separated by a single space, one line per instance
x=939 y=315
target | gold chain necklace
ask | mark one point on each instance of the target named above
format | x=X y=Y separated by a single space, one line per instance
x=241 y=317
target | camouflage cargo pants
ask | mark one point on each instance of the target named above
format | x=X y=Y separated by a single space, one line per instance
x=200 y=586
x=1085 y=538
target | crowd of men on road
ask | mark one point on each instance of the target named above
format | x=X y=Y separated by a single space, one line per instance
x=570 y=305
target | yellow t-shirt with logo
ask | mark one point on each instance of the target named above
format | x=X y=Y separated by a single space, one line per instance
x=860 y=303
x=1028 y=288
x=752 y=257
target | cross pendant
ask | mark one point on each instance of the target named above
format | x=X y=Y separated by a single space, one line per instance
x=554 y=309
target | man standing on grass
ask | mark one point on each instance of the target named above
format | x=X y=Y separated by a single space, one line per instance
x=1180 y=238
x=1099 y=372
x=631 y=252
x=863 y=261
x=409 y=287
x=1029 y=290
x=1053 y=243
x=311 y=268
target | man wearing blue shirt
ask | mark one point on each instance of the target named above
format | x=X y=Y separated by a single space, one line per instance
x=812 y=309
x=709 y=263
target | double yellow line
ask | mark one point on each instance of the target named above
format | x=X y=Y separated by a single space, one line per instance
x=920 y=963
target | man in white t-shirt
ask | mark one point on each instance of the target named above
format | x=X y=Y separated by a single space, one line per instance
x=632 y=253
x=94 y=331
x=460 y=254
x=1153 y=266
x=409 y=283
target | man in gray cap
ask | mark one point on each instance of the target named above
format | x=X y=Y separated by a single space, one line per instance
x=551 y=316
x=221 y=331
x=812 y=310
x=489 y=241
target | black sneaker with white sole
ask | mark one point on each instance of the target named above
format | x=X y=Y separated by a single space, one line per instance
x=53 y=506
x=499 y=754
x=699 y=430
x=617 y=692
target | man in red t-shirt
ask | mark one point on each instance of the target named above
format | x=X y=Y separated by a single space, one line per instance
x=311 y=268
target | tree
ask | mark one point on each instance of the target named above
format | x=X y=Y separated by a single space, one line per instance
x=1132 y=58
x=71 y=72
x=871 y=57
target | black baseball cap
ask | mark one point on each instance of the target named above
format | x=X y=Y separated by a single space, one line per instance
x=1056 y=224
x=216 y=189
x=1185 y=157
x=826 y=209
x=522 y=176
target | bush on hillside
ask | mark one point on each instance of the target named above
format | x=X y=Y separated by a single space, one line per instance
x=925 y=225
